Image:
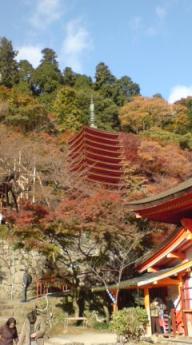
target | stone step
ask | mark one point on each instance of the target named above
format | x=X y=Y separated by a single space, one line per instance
x=178 y=341
x=9 y=313
x=6 y=307
x=65 y=343
x=16 y=310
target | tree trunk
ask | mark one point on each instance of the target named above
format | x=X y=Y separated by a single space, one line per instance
x=107 y=313
x=76 y=306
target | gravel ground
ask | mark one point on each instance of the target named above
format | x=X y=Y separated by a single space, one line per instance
x=88 y=338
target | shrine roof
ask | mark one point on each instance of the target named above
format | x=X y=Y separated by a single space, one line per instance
x=168 y=207
x=158 y=248
x=171 y=193
x=149 y=278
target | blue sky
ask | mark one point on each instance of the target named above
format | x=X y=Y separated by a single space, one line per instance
x=148 y=40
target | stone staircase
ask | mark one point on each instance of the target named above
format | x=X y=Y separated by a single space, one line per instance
x=15 y=309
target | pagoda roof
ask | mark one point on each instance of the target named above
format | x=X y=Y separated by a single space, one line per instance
x=168 y=207
x=97 y=155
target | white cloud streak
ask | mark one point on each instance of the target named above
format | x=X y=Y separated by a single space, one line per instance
x=136 y=24
x=178 y=92
x=161 y=12
x=151 y=31
x=139 y=27
x=77 y=43
x=45 y=13
x=30 y=53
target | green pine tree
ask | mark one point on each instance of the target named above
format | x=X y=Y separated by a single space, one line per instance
x=8 y=65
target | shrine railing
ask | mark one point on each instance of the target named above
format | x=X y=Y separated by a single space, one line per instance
x=50 y=284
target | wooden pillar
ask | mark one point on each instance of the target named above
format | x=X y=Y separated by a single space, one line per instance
x=182 y=299
x=147 y=308
x=113 y=297
x=115 y=307
x=173 y=321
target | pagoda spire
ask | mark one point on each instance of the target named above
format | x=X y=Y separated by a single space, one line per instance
x=92 y=114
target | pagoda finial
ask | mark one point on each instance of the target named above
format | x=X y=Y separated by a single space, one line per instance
x=92 y=114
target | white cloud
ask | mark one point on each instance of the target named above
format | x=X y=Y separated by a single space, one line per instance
x=139 y=26
x=151 y=31
x=45 y=13
x=76 y=44
x=136 y=24
x=178 y=92
x=30 y=53
x=160 y=12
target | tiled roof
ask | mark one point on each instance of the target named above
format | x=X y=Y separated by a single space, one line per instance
x=147 y=278
x=97 y=155
x=172 y=193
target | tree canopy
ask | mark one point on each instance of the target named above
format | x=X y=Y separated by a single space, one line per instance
x=8 y=65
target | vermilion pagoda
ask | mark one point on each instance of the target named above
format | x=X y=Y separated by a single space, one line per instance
x=97 y=156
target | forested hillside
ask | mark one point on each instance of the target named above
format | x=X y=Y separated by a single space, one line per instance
x=47 y=105
x=40 y=108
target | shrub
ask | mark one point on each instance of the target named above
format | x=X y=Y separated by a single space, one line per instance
x=101 y=326
x=129 y=322
x=93 y=322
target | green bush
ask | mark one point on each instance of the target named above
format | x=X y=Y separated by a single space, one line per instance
x=129 y=322
x=101 y=326
x=93 y=322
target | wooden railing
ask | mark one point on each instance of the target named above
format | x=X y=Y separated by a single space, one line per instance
x=50 y=284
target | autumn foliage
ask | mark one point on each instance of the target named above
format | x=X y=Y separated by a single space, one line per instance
x=80 y=225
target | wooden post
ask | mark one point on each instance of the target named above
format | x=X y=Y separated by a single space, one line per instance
x=174 y=321
x=182 y=299
x=147 y=308
x=183 y=306
x=115 y=308
x=185 y=323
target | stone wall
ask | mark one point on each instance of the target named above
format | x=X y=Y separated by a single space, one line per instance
x=12 y=265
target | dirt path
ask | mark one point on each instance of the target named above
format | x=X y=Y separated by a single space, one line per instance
x=89 y=338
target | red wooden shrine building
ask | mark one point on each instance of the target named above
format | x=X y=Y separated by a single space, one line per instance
x=168 y=270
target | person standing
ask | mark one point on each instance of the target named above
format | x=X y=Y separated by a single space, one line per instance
x=27 y=280
x=169 y=307
x=8 y=333
x=33 y=330
x=162 y=323
x=155 y=310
